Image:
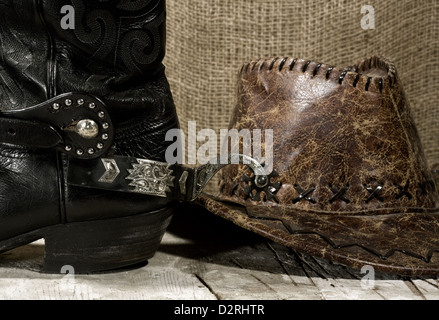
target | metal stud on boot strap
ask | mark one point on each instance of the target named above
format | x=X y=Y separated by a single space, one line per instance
x=81 y=123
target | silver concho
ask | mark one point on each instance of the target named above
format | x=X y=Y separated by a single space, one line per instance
x=87 y=129
x=151 y=178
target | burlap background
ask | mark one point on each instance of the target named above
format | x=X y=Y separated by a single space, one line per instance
x=209 y=40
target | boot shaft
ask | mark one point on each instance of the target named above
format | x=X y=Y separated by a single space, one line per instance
x=114 y=52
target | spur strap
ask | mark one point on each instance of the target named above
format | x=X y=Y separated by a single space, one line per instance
x=76 y=124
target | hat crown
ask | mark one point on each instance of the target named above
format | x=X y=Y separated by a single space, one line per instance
x=344 y=140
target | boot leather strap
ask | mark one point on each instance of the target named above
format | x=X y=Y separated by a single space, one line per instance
x=29 y=133
x=80 y=126
x=76 y=124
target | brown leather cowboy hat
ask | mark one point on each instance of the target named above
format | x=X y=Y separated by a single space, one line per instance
x=350 y=181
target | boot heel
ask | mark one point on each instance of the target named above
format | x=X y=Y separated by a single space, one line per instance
x=96 y=246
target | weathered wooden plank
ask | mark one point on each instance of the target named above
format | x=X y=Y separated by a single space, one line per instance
x=148 y=283
x=205 y=258
x=338 y=282
x=244 y=272
x=20 y=279
x=153 y=284
x=429 y=288
x=238 y=284
x=237 y=264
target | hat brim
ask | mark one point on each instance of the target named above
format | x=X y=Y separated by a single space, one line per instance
x=404 y=243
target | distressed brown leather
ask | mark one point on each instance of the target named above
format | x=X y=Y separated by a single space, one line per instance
x=353 y=185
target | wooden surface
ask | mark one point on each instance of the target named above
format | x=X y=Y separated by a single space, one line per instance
x=203 y=257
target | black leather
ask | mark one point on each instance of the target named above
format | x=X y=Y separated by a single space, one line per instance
x=115 y=53
x=28 y=133
x=54 y=125
x=179 y=187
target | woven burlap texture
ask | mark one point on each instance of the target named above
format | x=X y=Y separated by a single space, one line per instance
x=209 y=40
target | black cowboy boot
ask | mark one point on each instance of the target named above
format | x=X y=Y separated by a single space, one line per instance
x=79 y=86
